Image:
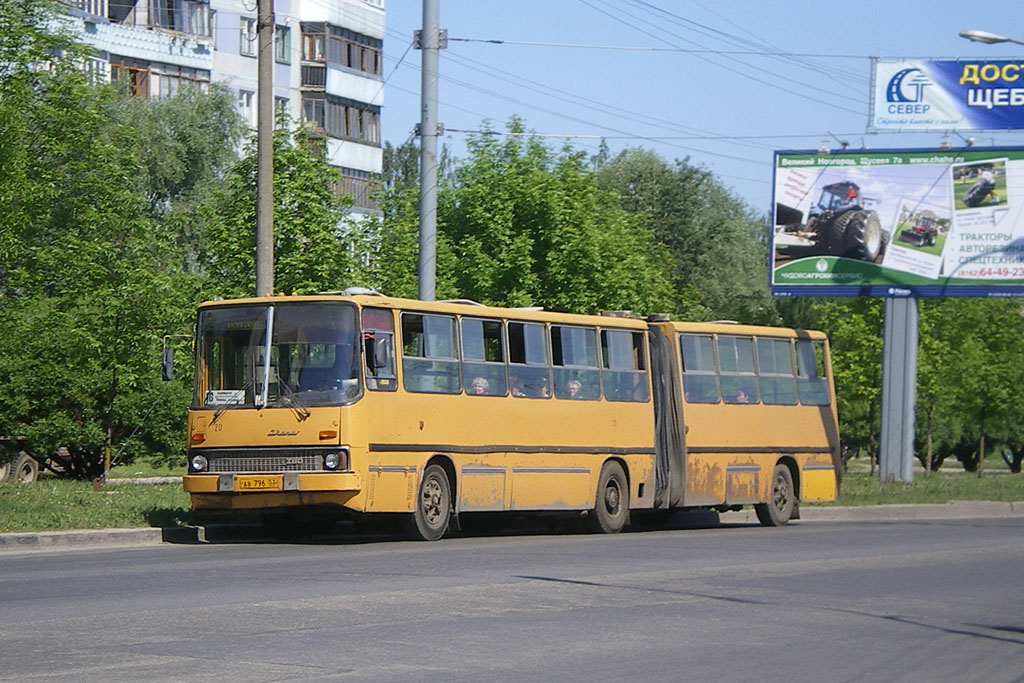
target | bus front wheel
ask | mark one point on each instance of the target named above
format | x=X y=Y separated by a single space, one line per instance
x=781 y=499
x=429 y=520
x=611 y=508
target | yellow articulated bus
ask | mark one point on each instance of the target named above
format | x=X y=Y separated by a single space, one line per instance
x=356 y=403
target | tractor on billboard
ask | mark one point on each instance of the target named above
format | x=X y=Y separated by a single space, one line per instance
x=925 y=230
x=840 y=223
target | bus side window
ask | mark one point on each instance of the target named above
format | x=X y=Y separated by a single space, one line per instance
x=736 y=367
x=574 y=357
x=430 y=363
x=775 y=371
x=528 y=360
x=700 y=378
x=812 y=379
x=483 y=357
x=623 y=366
x=378 y=349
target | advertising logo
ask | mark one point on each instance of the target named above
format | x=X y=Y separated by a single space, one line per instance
x=907 y=87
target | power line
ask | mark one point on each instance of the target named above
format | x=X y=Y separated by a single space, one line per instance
x=578 y=99
x=748 y=76
x=757 y=43
x=640 y=48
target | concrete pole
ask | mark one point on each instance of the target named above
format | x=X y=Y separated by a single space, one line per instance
x=265 y=150
x=429 y=40
x=899 y=390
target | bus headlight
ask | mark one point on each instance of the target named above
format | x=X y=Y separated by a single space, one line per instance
x=198 y=463
x=332 y=461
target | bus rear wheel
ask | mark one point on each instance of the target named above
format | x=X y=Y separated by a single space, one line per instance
x=429 y=519
x=611 y=507
x=781 y=499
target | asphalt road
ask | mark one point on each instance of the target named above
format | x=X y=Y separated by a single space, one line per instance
x=917 y=600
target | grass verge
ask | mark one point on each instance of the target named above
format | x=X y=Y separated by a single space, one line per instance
x=864 y=489
x=56 y=505
x=59 y=505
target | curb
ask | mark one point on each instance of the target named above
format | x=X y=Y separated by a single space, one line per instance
x=973 y=509
x=220 y=533
x=113 y=538
x=143 y=480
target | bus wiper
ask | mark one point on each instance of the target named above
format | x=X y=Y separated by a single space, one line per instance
x=217 y=413
x=297 y=406
x=291 y=399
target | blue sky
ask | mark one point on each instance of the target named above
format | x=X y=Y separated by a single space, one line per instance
x=722 y=82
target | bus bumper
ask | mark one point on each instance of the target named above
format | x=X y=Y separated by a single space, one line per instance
x=249 y=491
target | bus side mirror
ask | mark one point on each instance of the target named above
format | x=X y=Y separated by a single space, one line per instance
x=167 y=365
x=381 y=353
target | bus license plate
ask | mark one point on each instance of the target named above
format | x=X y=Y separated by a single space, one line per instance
x=258 y=483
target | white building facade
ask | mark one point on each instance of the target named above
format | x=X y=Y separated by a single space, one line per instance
x=327 y=71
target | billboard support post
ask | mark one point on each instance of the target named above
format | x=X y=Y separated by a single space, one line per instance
x=899 y=389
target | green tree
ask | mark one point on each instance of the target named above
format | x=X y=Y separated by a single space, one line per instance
x=90 y=288
x=982 y=369
x=92 y=272
x=717 y=244
x=522 y=225
x=315 y=248
x=854 y=327
x=394 y=260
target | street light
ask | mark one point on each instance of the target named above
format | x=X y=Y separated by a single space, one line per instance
x=986 y=37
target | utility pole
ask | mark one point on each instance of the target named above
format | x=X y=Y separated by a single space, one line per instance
x=265 y=150
x=899 y=390
x=430 y=39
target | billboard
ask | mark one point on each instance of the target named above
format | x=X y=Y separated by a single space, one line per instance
x=928 y=95
x=898 y=223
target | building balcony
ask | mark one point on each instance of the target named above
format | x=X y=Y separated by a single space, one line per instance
x=190 y=17
x=314 y=76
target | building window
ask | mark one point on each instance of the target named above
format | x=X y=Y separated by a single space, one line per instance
x=94 y=7
x=196 y=18
x=96 y=70
x=174 y=79
x=245 y=106
x=353 y=51
x=213 y=27
x=314 y=110
x=130 y=74
x=281 y=115
x=361 y=186
x=248 y=36
x=145 y=79
x=314 y=45
x=183 y=16
x=343 y=119
x=283 y=45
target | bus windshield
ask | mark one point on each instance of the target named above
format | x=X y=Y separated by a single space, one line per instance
x=309 y=358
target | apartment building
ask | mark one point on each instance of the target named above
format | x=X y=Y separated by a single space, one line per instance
x=327 y=70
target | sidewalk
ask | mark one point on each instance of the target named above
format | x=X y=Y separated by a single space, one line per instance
x=113 y=538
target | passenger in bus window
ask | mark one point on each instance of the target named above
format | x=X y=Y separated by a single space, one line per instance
x=742 y=397
x=518 y=389
x=479 y=386
x=573 y=388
